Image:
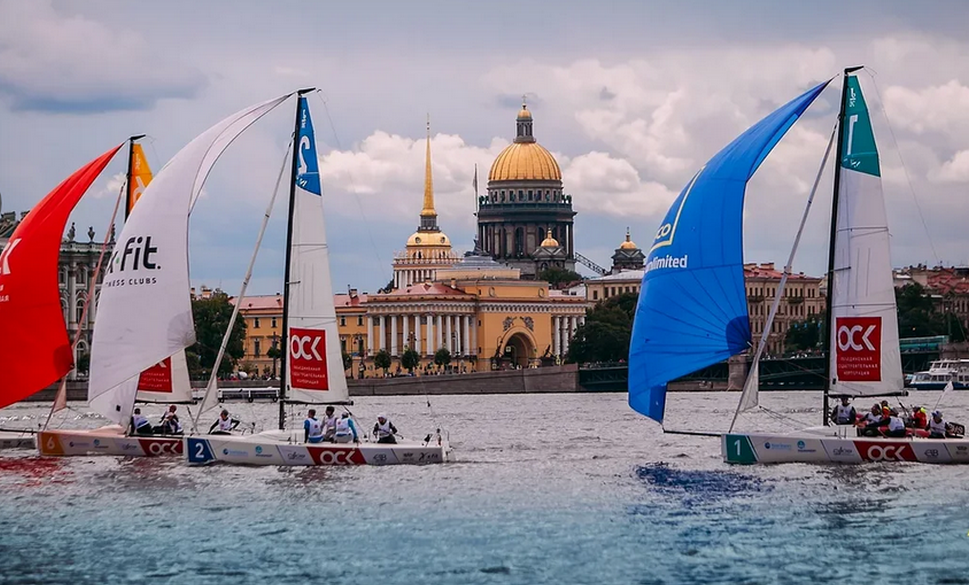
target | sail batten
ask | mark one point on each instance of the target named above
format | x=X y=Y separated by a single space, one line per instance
x=34 y=349
x=692 y=309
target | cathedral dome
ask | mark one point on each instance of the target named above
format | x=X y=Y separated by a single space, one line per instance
x=549 y=241
x=525 y=159
x=428 y=239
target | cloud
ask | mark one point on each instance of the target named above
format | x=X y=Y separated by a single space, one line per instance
x=60 y=63
x=611 y=186
x=955 y=170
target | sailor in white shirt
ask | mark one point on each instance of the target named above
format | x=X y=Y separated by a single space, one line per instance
x=937 y=426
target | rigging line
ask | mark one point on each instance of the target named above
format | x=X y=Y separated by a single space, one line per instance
x=779 y=416
x=356 y=195
x=212 y=386
x=61 y=397
x=908 y=178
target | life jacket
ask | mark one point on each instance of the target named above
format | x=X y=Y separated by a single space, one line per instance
x=921 y=418
x=139 y=420
x=936 y=428
x=872 y=418
x=383 y=430
x=343 y=426
x=314 y=428
x=895 y=424
x=171 y=421
x=225 y=424
x=845 y=414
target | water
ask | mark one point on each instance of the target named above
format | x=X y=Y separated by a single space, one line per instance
x=569 y=488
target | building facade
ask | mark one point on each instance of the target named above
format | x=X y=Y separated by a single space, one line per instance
x=525 y=205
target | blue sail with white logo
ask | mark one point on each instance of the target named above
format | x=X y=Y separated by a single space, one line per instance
x=692 y=309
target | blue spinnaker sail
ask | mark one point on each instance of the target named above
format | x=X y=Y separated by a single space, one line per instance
x=692 y=309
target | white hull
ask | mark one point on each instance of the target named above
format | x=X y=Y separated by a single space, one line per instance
x=109 y=440
x=275 y=448
x=836 y=445
x=12 y=440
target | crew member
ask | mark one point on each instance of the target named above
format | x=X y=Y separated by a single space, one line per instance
x=346 y=431
x=224 y=423
x=873 y=419
x=312 y=428
x=937 y=426
x=329 y=425
x=385 y=430
x=169 y=422
x=896 y=427
x=844 y=413
x=140 y=424
x=920 y=418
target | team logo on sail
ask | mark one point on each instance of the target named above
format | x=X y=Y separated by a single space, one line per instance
x=307 y=359
x=137 y=255
x=858 y=341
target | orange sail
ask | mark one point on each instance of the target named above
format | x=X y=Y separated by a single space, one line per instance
x=34 y=349
x=139 y=175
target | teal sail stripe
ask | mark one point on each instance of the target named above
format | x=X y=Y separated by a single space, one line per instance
x=859 y=150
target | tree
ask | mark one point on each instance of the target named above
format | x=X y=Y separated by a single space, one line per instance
x=805 y=335
x=347 y=361
x=410 y=360
x=211 y=321
x=916 y=314
x=557 y=277
x=274 y=353
x=382 y=360
x=604 y=337
x=442 y=357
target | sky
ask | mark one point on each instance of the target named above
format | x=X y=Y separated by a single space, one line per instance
x=630 y=97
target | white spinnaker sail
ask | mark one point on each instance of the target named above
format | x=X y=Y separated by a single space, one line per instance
x=145 y=310
x=865 y=356
x=315 y=360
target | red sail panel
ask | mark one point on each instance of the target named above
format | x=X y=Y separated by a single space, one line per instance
x=34 y=349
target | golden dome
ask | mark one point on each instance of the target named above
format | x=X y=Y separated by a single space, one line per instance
x=550 y=242
x=628 y=244
x=524 y=113
x=428 y=239
x=525 y=161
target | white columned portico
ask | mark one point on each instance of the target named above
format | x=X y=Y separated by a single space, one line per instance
x=449 y=342
x=417 y=333
x=566 y=338
x=440 y=332
x=556 y=336
x=467 y=335
x=430 y=335
x=406 y=342
x=393 y=335
x=383 y=337
x=474 y=335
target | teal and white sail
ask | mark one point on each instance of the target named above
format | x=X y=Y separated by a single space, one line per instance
x=865 y=357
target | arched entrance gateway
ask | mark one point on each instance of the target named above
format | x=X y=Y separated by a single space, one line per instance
x=518 y=351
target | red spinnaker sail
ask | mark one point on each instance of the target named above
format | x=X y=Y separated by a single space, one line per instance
x=34 y=349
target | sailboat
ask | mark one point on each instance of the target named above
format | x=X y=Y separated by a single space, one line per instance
x=692 y=309
x=312 y=365
x=35 y=351
x=145 y=312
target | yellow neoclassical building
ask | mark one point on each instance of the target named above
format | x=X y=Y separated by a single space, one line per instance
x=480 y=310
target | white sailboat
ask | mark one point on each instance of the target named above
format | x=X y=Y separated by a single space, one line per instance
x=692 y=310
x=312 y=364
x=144 y=312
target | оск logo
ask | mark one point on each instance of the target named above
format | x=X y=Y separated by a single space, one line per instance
x=307 y=359
x=859 y=342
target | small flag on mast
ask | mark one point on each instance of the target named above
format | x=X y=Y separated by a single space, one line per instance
x=475 y=182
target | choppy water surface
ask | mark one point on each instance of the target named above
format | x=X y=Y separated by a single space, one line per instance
x=569 y=488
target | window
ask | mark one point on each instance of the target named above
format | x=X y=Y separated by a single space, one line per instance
x=360 y=321
x=595 y=295
x=256 y=348
x=274 y=323
x=343 y=323
x=255 y=323
x=343 y=345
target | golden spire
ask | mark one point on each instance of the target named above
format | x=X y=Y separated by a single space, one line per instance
x=428 y=210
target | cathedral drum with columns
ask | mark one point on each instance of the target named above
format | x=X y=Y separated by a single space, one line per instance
x=526 y=219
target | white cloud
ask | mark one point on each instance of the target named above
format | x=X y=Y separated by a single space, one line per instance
x=955 y=170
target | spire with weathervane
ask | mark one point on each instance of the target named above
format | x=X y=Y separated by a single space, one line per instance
x=428 y=214
x=524 y=123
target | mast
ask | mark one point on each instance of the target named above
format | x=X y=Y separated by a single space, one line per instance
x=129 y=204
x=829 y=296
x=284 y=347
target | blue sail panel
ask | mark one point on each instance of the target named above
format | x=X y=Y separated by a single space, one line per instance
x=692 y=309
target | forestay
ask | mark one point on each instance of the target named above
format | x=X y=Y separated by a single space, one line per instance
x=692 y=309
x=865 y=355
x=315 y=361
x=145 y=311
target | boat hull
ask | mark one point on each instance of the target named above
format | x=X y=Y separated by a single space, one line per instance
x=813 y=448
x=268 y=450
x=105 y=441
x=11 y=440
